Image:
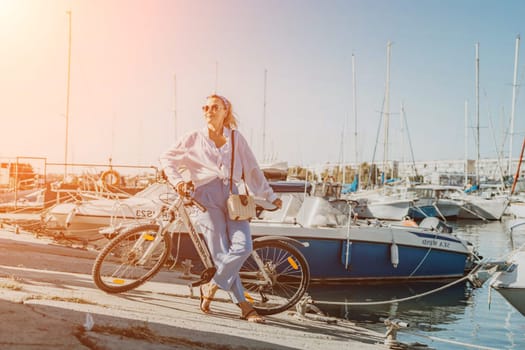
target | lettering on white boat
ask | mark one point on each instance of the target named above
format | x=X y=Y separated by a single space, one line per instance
x=435 y=243
x=144 y=213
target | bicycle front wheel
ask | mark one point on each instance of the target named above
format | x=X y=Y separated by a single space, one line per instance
x=131 y=258
x=275 y=276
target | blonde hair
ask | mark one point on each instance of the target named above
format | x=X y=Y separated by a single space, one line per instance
x=229 y=121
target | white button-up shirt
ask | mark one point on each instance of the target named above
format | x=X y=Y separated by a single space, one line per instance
x=196 y=158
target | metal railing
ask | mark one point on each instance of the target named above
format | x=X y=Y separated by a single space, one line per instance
x=36 y=173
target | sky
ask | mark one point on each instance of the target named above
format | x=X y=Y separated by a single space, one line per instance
x=139 y=72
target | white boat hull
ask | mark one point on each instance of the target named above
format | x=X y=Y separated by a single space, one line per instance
x=517 y=209
x=510 y=282
x=483 y=208
x=83 y=220
x=515 y=297
x=382 y=207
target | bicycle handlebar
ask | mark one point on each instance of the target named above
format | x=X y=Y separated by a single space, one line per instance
x=262 y=204
x=194 y=202
x=187 y=195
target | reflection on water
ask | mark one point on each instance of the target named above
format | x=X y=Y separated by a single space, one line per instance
x=458 y=313
x=442 y=307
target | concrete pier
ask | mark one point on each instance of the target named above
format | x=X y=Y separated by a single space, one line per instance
x=48 y=300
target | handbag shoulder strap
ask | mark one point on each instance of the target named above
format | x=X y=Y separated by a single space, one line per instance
x=233 y=158
x=231 y=167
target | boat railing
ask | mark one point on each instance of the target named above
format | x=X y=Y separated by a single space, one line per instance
x=22 y=177
x=100 y=181
x=75 y=195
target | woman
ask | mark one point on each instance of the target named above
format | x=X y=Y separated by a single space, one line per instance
x=204 y=158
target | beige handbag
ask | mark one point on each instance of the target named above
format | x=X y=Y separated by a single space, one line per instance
x=240 y=206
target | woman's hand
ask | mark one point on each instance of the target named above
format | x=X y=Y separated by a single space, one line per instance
x=278 y=203
x=184 y=187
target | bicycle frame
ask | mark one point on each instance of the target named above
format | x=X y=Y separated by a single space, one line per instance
x=275 y=275
x=178 y=206
x=200 y=246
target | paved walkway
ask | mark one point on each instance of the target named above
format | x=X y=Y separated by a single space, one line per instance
x=47 y=300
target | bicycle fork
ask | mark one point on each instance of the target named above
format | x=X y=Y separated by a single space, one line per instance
x=155 y=241
x=266 y=279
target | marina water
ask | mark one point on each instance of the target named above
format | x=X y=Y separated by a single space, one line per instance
x=458 y=317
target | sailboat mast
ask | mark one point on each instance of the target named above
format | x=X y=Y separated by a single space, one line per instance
x=402 y=132
x=342 y=161
x=477 y=113
x=514 y=86
x=264 y=119
x=405 y=123
x=216 y=76
x=175 y=106
x=354 y=83
x=466 y=143
x=67 y=95
x=387 y=107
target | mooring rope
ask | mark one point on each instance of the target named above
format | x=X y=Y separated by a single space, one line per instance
x=383 y=302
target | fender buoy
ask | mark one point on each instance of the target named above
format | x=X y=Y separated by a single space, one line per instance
x=409 y=222
x=70 y=216
x=394 y=255
x=110 y=177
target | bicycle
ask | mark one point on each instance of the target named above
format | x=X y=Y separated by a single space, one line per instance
x=275 y=276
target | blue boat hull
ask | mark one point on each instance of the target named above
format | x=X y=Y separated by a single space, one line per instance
x=366 y=261
x=370 y=261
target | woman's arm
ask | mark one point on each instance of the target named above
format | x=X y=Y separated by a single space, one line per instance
x=253 y=175
x=172 y=161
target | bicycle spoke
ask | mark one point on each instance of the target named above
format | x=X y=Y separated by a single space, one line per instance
x=288 y=277
x=131 y=258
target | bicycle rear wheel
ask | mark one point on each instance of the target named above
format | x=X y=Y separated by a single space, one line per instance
x=288 y=272
x=123 y=265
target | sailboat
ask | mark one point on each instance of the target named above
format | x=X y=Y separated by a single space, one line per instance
x=388 y=202
x=509 y=277
x=485 y=205
x=510 y=282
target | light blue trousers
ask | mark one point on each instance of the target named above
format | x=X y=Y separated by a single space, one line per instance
x=229 y=241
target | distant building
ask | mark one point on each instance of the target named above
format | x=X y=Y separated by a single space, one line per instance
x=445 y=172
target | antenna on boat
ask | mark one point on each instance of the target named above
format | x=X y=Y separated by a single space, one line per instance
x=514 y=86
x=67 y=95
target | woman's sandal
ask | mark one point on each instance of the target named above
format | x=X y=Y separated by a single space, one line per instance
x=207 y=295
x=252 y=316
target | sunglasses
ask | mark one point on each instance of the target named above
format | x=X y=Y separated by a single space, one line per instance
x=213 y=108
